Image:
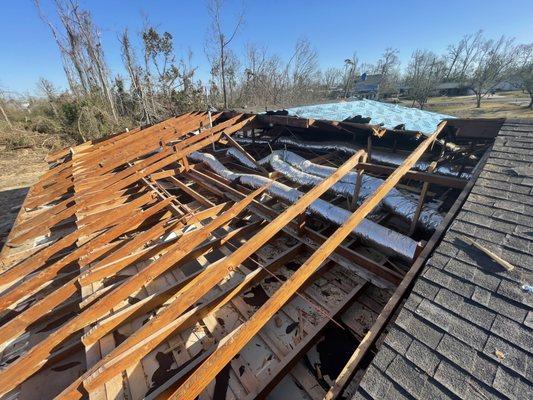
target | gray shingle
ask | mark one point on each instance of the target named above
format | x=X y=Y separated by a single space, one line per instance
x=413 y=301
x=481 y=296
x=435 y=391
x=405 y=375
x=384 y=357
x=375 y=383
x=437 y=276
x=513 y=332
x=509 y=355
x=505 y=383
x=398 y=340
x=422 y=357
x=480 y=315
x=513 y=291
x=484 y=369
x=449 y=300
x=452 y=378
x=457 y=352
x=434 y=314
x=467 y=332
x=508 y=308
x=425 y=288
x=419 y=329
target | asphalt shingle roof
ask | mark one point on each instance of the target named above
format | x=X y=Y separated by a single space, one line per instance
x=466 y=330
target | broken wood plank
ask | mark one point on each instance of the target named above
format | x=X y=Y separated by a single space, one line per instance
x=232 y=344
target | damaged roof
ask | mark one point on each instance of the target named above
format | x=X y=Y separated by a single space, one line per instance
x=210 y=255
x=466 y=330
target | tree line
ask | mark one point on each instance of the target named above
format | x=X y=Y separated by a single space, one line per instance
x=157 y=83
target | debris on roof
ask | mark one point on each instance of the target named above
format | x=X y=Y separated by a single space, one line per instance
x=215 y=255
x=466 y=331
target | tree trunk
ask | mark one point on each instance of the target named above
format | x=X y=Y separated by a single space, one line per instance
x=223 y=72
x=5 y=116
x=478 y=100
x=530 y=106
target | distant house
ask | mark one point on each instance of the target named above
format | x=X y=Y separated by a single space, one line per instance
x=507 y=85
x=453 y=89
x=368 y=86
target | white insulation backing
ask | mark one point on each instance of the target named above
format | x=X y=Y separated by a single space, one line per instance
x=304 y=172
x=383 y=239
x=382 y=157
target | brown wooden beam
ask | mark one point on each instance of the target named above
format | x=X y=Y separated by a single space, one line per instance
x=370 y=338
x=447 y=181
x=33 y=360
x=210 y=277
x=232 y=344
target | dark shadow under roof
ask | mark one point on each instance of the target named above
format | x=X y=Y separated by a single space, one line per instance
x=466 y=330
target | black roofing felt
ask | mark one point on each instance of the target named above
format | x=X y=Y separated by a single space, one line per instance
x=466 y=330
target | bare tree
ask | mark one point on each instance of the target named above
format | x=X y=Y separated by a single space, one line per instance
x=219 y=42
x=524 y=70
x=462 y=55
x=424 y=72
x=264 y=80
x=492 y=62
x=350 y=71
x=135 y=73
x=95 y=53
x=50 y=92
x=387 y=67
x=333 y=78
x=82 y=51
x=301 y=72
x=2 y=108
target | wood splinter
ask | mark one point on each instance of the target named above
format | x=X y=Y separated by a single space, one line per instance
x=508 y=266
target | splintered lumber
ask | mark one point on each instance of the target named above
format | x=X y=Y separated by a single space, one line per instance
x=31 y=361
x=28 y=286
x=233 y=343
x=104 y=370
x=33 y=263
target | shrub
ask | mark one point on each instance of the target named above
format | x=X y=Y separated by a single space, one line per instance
x=44 y=125
x=19 y=139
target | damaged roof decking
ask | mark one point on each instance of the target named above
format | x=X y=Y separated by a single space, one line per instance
x=101 y=286
x=466 y=331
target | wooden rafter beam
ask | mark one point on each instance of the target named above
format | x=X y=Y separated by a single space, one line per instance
x=312 y=239
x=377 y=328
x=233 y=343
x=31 y=361
x=205 y=281
x=446 y=181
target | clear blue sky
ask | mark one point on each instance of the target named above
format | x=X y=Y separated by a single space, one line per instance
x=335 y=28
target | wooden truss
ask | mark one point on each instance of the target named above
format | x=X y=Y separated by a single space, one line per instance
x=137 y=273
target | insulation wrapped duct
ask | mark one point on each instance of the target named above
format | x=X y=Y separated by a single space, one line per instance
x=237 y=154
x=382 y=157
x=377 y=236
x=304 y=172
